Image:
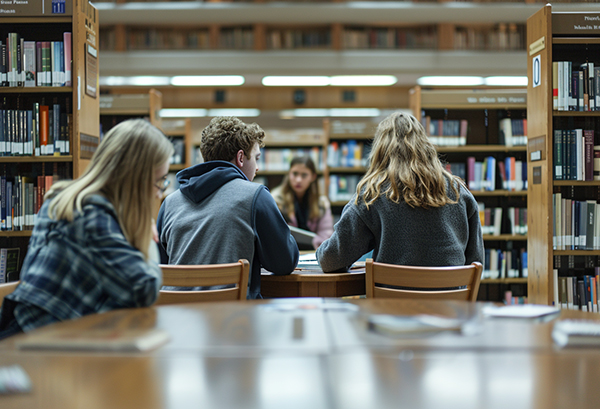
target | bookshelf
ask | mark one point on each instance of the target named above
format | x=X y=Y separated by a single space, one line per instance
x=179 y=131
x=39 y=154
x=480 y=134
x=557 y=258
x=115 y=108
x=348 y=147
x=282 y=145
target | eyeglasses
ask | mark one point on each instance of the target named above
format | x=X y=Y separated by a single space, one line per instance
x=162 y=184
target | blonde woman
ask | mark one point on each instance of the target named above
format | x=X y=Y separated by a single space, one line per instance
x=89 y=251
x=408 y=209
x=299 y=201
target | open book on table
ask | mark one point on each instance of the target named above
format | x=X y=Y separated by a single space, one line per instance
x=302 y=236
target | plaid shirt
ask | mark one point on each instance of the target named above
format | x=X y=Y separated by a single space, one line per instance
x=82 y=267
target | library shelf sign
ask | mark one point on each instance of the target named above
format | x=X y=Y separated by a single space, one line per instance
x=475 y=98
x=35 y=8
x=575 y=23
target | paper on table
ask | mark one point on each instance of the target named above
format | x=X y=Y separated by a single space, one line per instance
x=519 y=311
x=302 y=236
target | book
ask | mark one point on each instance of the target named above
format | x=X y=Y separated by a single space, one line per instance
x=576 y=333
x=406 y=325
x=519 y=311
x=302 y=236
x=9 y=264
x=75 y=339
x=29 y=63
x=67 y=58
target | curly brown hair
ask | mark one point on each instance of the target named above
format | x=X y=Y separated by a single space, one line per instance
x=226 y=135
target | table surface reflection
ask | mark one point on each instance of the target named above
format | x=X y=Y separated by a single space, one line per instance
x=312 y=353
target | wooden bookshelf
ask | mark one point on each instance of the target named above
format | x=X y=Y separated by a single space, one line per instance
x=179 y=131
x=480 y=112
x=76 y=102
x=115 y=108
x=551 y=37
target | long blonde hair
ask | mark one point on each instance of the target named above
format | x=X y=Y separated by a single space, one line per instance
x=312 y=191
x=404 y=165
x=122 y=170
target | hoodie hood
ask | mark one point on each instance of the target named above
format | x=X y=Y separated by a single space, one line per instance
x=200 y=181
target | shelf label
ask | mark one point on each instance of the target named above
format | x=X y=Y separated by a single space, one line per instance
x=536 y=73
x=32 y=8
x=535 y=156
x=537 y=46
x=576 y=23
x=537 y=175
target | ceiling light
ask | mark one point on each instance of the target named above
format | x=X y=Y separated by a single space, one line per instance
x=239 y=112
x=333 y=112
x=363 y=80
x=362 y=112
x=451 y=81
x=514 y=81
x=297 y=81
x=142 y=81
x=182 y=112
x=207 y=80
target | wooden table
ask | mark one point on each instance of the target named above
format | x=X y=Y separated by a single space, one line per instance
x=311 y=353
x=313 y=283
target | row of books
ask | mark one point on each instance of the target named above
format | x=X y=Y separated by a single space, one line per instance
x=491 y=174
x=294 y=38
x=390 y=37
x=512 y=132
x=574 y=155
x=499 y=37
x=510 y=299
x=577 y=292
x=446 y=132
x=158 y=39
x=237 y=38
x=576 y=224
x=496 y=220
x=576 y=87
x=35 y=63
x=348 y=154
x=505 y=263
x=275 y=159
x=9 y=264
x=41 y=130
x=342 y=187
x=21 y=198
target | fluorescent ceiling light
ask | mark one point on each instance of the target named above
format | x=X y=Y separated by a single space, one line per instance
x=362 y=112
x=243 y=112
x=451 y=81
x=207 y=80
x=333 y=112
x=182 y=112
x=142 y=81
x=363 y=80
x=297 y=81
x=507 y=81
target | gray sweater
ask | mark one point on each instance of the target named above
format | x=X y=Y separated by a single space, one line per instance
x=399 y=234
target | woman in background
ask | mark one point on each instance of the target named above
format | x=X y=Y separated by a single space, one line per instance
x=299 y=201
x=407 y=208
x=89 y=250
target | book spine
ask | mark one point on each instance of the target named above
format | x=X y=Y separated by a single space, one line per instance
x=67 y=39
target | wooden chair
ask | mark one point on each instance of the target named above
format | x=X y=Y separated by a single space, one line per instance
x=204 y=275
x=423 y=282
x=7 y=288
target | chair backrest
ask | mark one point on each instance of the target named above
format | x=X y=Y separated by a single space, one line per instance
x=444 y=283
x=204 y=275
x=7 y=288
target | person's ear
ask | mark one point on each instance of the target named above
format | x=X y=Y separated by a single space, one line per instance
x=313 y=178
x=240 y=156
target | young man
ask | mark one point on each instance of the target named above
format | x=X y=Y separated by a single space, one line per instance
x=219 y=216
